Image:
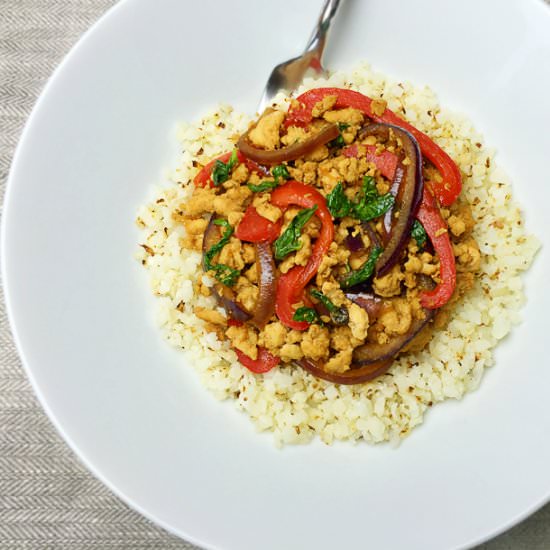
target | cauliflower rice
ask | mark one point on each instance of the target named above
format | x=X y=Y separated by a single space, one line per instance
x=288 y=401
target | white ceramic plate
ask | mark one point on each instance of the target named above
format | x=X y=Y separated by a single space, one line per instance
x=79 y=304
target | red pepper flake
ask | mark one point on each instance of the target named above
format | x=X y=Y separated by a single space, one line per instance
x=221 y=124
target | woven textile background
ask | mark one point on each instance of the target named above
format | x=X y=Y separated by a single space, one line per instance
x=47 y=499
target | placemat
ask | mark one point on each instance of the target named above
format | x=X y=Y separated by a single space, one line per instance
x=48 y=500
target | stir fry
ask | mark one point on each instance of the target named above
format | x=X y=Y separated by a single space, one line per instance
x=335 y=235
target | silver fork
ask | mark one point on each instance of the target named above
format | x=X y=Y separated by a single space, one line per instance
x=289 y=74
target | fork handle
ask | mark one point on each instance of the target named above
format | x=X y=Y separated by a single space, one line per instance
x=317 y=41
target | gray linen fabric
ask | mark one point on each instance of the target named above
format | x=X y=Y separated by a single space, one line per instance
x=47 y=499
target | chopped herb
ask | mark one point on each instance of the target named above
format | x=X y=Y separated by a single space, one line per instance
x=289 y=241
x=337 y=202
x=307 y=314
x=418 y=233
x=339 y=315
x=266 y=185
x=280 y=171
x=222 y=170
x=339 y=141
x=366 y=211
x=223 y=273
x=371 y=205
x=365 y=272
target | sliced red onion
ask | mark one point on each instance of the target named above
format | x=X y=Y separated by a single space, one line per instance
x=368 y=301
x=354 y=242
x=356 y=375
x=265 y=304
x=407 y=188
x=372 y=353
x=290 y=152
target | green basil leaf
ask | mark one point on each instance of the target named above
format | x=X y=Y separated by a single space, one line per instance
x=223 y=273
x=222 y=170
x=368 y=210
x=323 y=299
x=289 y=241
x=280 y=172
x=364 y=272
x=307 y=314
x=338 y=204
x=339 y=141
x=266 y=185
x=418 y=233
x=338 y=315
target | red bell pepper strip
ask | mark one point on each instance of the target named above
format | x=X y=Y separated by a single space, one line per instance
x=436 y=228
x=386 y=161
x=291 y=285
x=204 y=177
x=264 y=363
x=446 y=190
x=288 y=293
x=254 y=228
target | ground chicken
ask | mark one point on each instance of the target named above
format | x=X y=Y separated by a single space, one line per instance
x=342 y=339
x=468 y=256
x=396 y=319
x=245 y=339
x=390 y=284
x=336 y=256
x=331 y=289
x=456 y=225
x=318 y=154
x=309 y=172
x=290 y=352
x=210 y=315
x=295 y=134
x=194 y=229
x=340 y=362
x=303 y=254
x=315 y=342
x=231 y=254
x=200 y=202
x=264 y=207
x=247 y=293
x=358 y=321
x=232 y=201
x=266 y=132
x=339 y=169
x=248 y=253
x=273 y=336
x=240 y=174
x=347 y=116
x=378 y=106
x=462 y=215
x=252 y=273
x=324 y=105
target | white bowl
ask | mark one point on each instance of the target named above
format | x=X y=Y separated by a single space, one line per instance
x=124 y=401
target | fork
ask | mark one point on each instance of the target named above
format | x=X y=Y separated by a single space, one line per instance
x=290 y=74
